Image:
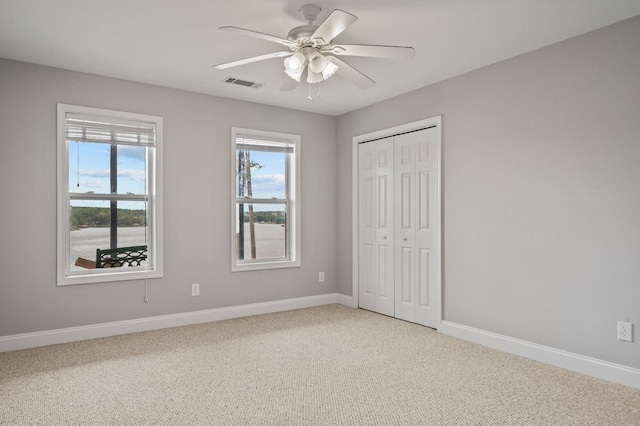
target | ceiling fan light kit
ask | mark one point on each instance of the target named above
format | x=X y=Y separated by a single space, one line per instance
x=319 y=67
x=311 y=49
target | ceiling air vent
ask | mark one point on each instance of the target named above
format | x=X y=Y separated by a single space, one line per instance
x=244 y=83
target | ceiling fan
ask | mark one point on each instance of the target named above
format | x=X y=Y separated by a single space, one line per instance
x=311 y=50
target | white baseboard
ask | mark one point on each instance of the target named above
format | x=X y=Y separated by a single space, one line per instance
x=590 y=366
x=611 y=372
x=349 y=301
x=74 y=334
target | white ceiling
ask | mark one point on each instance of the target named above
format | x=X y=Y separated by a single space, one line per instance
x=174 y=43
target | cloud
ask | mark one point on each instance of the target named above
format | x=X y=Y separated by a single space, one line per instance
x=276 y=179
x=268 y=185
x=133 y=174
x=101 y=173
x=137 y=175
x=94 y=183
x=134 y=152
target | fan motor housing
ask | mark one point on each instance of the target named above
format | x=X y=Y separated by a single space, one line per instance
x=302 y=34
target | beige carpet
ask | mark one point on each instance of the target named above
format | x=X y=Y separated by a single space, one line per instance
x=329 y=365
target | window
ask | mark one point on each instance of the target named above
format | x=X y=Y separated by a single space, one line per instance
x=265 y=200
x=109 y=195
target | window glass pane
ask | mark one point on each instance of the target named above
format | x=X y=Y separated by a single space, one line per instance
x=132 y=169
x=261 y=233
x=261 y=174
x=90 y=229
x=90 y=168
x=132 y=218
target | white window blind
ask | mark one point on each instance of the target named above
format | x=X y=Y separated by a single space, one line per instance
x=245 y=143
x=86 y=128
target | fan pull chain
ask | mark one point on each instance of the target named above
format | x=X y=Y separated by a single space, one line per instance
x=78 y=163
x=146 y=286
x=146 y=238
x=319 y=91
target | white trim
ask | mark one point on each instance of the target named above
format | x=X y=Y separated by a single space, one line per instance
x=154 y=164
x=349 y=301
x=86 y=332
x=604 y=370
x=403 y=128
x=292 y=201
x=615 y=373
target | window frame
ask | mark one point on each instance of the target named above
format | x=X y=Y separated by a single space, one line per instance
x=153 y=196
x=292 y=202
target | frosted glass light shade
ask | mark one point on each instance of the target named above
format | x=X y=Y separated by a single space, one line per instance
x=314 y=77
x=329 y=70
x=317 y=62
x=294 y=65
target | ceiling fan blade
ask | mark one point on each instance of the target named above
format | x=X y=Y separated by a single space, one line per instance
x=259 y=35
x=253 y=59
x=288 y=84
x=374 y=51
x=336 y=22
x=353 y=75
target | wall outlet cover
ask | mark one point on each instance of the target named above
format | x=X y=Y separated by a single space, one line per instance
x=625 y=330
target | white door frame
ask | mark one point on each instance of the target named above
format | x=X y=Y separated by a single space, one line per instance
x=408 y=127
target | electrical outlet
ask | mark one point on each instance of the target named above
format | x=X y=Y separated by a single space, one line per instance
x=624 y=331
x=195 y=289
x=321 y=277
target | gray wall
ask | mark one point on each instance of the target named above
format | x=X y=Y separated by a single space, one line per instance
x=541 y=192
x=541 y=195
x=196 y=210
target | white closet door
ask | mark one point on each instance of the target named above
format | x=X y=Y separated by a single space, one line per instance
x=428 y=247
x=376 y=226
x=417 y=244
x=405 y=223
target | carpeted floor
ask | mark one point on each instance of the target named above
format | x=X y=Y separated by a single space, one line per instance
x=329 y=365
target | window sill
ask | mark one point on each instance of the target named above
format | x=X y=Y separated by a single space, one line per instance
x=102 y=277
x=260 y=266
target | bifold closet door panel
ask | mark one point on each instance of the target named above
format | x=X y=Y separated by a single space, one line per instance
x=417 y=246
x=428 y=250
x=405 y=227
x=376 y=226
x=366 y=227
